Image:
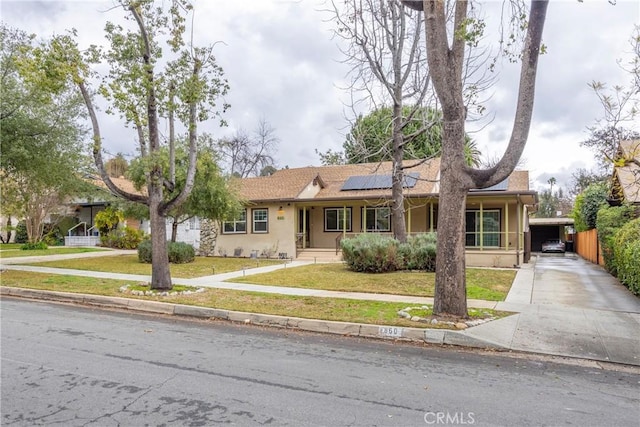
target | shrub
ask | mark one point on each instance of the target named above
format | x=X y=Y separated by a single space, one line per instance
x=587 y=204
x=53 y=235
x=108 y=219
x=144 y=251
x=34 y=246
x=371 y=253
x=419 y=253
x=21 y=233
x=626 y=251
x=608 y=222
x=122 y=238
x=179 y=252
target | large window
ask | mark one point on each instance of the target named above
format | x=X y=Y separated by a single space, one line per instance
x=260 y=220
x=489 y=234
x=238 y=225
x=334 y=219
x=378 y=219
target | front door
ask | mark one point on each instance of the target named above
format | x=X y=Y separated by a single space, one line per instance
x=303 y=228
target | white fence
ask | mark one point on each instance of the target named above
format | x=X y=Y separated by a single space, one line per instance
x=81 y=240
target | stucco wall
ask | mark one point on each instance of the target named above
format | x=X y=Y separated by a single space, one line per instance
x=280 y=237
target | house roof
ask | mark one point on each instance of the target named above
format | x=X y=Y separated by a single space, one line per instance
x=121 y=182
x=628 y=173
x=320 y=183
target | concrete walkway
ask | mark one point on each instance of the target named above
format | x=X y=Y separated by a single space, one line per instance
x=553 y=314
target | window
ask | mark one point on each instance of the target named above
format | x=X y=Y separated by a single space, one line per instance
x=378 y=219
x=490 y=235
x=194 y=223
x=260 y=221
x=334 y=219
x=238 y=225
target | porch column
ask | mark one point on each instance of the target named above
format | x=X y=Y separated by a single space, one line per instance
x=409 y=220
x=506 y=225
x=481 y=226
x=304 y=227
x=519 y=224
x=344 y=221
x=364 y=218
x=431 y=216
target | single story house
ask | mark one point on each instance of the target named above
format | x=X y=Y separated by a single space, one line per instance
x=625 y=185
x=309 y=210
x=84 y=210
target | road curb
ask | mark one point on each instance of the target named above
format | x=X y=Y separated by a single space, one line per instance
x=431 y=336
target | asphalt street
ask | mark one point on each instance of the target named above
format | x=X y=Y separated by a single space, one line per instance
x=76 y=366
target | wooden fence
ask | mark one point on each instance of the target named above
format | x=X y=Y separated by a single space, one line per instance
x=588 y=246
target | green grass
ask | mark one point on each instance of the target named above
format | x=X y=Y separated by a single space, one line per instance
x=129 y=264
x=371 y=312
x=15 y=251
x=9 y=246
x=484 y=284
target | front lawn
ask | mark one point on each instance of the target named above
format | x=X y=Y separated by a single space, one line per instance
x=129 y=264
x=484 y=284
x=13 y=250
x=336 y=309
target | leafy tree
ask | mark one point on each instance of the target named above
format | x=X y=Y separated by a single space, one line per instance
x=370 y=136
x=152 y=73
x=446 y=44
x=40 y=138
x=212 y=197
x=331 y=157
x=585 y=210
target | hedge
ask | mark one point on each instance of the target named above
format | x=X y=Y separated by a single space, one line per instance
x=626 y=252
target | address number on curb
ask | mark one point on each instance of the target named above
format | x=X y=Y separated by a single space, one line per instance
x=389 y=331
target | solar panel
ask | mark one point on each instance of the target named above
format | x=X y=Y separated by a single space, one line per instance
x=501 y=186
x=377 y=182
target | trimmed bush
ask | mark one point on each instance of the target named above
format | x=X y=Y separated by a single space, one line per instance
x=179 y=252
x=371 y=253
x=34 y=246
x=144 y=251
x=626 y=252
x=419 y=253
x=122 y=238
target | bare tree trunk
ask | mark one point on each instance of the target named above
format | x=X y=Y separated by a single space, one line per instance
x=450 y=286
x=397 y=218
x=174 y=229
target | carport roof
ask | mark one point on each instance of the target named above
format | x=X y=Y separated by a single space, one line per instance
x=550 y=221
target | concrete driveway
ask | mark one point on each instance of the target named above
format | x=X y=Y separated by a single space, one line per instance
x=567 y=279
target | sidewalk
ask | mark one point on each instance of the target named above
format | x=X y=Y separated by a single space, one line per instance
x=539 y=326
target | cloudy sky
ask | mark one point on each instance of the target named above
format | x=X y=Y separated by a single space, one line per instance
x=284 y=66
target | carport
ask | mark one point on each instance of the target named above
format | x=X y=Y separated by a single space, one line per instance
x=543 y=229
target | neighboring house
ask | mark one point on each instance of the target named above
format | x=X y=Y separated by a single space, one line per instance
x=295 y=211
x=625 y=186
x=84 y=210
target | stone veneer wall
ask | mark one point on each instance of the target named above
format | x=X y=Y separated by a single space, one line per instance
x=208 y=237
